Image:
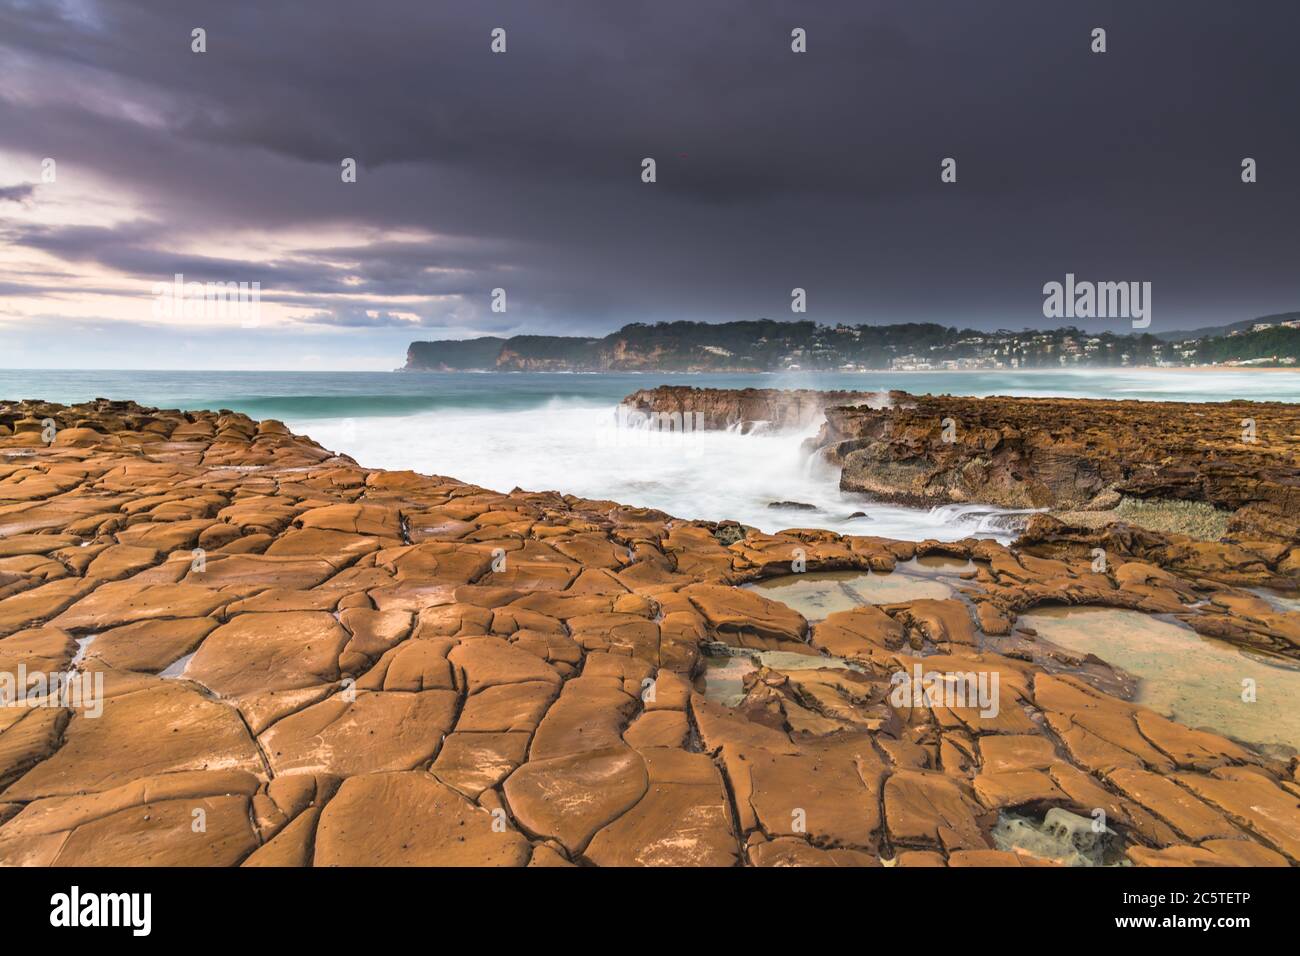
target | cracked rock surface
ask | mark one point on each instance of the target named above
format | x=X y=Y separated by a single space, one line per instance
x=308 y=662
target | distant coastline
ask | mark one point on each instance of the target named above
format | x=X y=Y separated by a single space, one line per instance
x=1291 y=369
x=765 y=346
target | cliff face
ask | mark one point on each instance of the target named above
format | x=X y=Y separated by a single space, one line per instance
x=450 y=356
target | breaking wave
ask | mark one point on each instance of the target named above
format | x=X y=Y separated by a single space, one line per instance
x=763 y=479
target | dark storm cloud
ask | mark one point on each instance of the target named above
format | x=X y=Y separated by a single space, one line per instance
x=21 y=193
x=776 y=170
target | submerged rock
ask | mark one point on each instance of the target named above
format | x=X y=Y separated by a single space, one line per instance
x=1060 y=837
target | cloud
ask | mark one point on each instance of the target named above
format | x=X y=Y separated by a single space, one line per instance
x=360 y=318
x=521 y=171
x=21 y=193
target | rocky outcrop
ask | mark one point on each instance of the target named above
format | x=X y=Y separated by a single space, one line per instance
x=329 y=664
x=1067 y=454
x=1214 y=487
x=1166 y=467
x=716 y=409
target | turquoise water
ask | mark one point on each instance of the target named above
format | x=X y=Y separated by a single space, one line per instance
x=546 y=431
x=304 y=395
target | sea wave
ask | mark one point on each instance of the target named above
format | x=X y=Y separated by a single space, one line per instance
x=761 y=479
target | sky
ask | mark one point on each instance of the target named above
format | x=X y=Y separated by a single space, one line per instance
x=127 y=158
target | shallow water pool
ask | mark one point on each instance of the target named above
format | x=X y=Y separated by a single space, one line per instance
x=1195 y=680
x=818 y=594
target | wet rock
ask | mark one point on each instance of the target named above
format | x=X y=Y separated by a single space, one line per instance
x=162 y=729
x=1016 y=788
x=413 y=705
x=150 y=646
x=1251 y=799
x=28 y=736
x=932 y=810
x=858 y=633
x=830 y=793
x=787 y=851
x=1190 y=817
x=373 y=732
x=1209 y=853
x=751 y=620
x=683 y=819
x=507 y=707
x=489 y=661
x=1016 y=752
x=260 y=652
x=1081 y=454
x=149 y=821
x=658 y=728
x=112 y=605
x=719 y=408
x=571 y=798
x=410 y=819
x=474 y=762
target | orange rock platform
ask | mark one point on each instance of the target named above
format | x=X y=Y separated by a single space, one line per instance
x=308 y=662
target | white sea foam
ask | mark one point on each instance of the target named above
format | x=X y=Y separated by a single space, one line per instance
x=582 y=449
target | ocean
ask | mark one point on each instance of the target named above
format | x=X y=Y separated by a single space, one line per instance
x=543 y=431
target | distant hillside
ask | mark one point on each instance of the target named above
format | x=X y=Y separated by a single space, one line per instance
x=451 y=355
x=764 y=345
x=1216 y=331
x=1266 y=347
x=671 y=346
